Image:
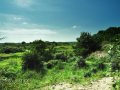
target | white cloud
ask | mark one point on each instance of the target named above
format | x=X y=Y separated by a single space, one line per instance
x=74 y=26
x=23 y=3
x=17 y=18
x=28 y=35
x=11 y=17
x=23 y=31
x=24 y=23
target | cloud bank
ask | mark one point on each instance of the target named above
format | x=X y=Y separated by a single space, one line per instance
x=28 y=35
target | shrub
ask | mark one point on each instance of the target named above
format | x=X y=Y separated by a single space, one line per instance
x=42 y=49
x=6 y=84
x=7 y=73
x=115 y=64
x=81 y=63
x=116 y=85
x=40 y=53
x=86 y=44
x=48 y=56
x=88 y=74
x=60 y=65
x=61 y=56
x=101 y=66
x=94 y=70
x=51 y=64
x=9 y=49
x=32 y=61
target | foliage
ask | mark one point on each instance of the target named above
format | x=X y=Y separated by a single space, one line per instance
x=9 y=49
x=114 y=53
x=116 y=85
x=61 y=56
x=43 y=50
x=34 y=60
x=23 y=42
x=85 y=44
x=31 y=61
x=88 y=74
x=115 y=65
x=101 y=65
x=105 y=35
x=50 y=64
x=41 y=54
x=81 y=63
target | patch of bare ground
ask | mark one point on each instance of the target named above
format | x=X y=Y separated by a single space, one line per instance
x=100 y=54
x=102 y=84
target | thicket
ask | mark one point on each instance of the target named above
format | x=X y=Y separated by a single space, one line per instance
x=11 y=49
x=109 y=35
x=86 y=44
x=34 y=59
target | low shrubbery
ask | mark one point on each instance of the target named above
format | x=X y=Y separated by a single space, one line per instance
x=9 y=49
x=81 y=63
x=86 y=44
x=40 y=53
x=101 y=65
x=32 y=61
x=115 y=65
x=88 y=74
x=52 y=63
x=61 y=56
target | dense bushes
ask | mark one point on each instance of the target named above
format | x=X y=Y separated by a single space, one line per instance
x=50 y=64
x=81 y=63
x=32 y=61
x=101 y=66
x=115 y=64
x=105 y=35
x=40 y=53
x=61 y=56
x=86 y=44
x=9 y=49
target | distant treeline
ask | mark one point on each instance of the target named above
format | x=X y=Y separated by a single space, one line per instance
x=111 y=34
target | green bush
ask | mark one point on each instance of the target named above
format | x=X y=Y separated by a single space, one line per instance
x=60 y=65
x=8 y=74
x=116 y=64
x=86 y=44
x=116 y=85
x=88 y=74
x=43 y=50
x=48 y=56
x=61 y=56
x=9 y=49
x=50 y=64
x=94 y=70
x=32 y=61
x=81 y=63
x=101 y=66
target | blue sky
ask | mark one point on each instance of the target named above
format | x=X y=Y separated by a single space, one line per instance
x=55 y=20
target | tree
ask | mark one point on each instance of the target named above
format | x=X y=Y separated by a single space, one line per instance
x=86 y=44
x=109 y=34
x=34 y=60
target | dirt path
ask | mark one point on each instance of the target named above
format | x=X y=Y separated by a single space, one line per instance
x=103 y=84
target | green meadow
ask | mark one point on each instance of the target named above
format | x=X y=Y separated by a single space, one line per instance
x=58 y=62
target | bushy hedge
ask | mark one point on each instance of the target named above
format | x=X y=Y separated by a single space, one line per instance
x=9 y=49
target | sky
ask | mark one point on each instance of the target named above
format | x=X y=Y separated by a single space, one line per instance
x=55 y=20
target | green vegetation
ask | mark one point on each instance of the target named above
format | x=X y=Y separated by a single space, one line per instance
x=45 y=63
x=86 y=44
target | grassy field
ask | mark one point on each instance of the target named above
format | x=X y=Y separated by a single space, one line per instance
x=13 y=78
